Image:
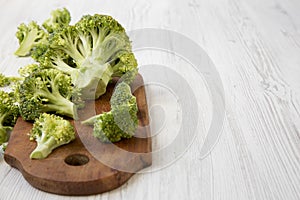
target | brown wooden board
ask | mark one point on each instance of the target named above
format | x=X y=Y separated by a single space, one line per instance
x=75 y=168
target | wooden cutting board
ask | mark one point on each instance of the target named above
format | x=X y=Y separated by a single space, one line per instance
x=85 y=166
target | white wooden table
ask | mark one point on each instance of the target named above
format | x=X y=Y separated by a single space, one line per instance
x=255 y=48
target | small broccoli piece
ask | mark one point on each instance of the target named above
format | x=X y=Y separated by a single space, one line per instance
x=9 y=80
x=4 y=81
x=59 y=19
x=92 y=51
x=122 y=96
x=121 y=121
x=29 y=36
x=48 y=90
x=9 y=113
x=39 y=50
x=50 y=131
x=29 y=69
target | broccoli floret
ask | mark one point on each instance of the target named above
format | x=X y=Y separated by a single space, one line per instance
x=122 y=96
x=92 y=51
x=9 y=113
x=121 y=121
x=4 y=80
x=39 y=50
x=9 y=80
x=58 y=20
x=29 y=36
x=50 y=131
x=29 y=69
x=47 y=90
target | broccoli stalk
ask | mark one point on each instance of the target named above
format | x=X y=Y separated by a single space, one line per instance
x=91 y=52
x=9 y=113
x=29 y=36
x=50 y=131
x=48 y=90
x=121 y=122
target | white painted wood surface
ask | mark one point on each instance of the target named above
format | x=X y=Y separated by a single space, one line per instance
x=255 y=46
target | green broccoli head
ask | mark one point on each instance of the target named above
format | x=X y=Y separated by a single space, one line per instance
x=4 y=81
x=28 y=69
x=122 y=95
x=124 y=109
x=92 y=51
x=9 y=113
x=9 y=80
x=49 y=91
x=59 y=19
x=121 y=121
x=50 y=131
x=38 y=51
x=29 y=36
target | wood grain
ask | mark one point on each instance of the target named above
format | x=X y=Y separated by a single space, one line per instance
x=74 y=169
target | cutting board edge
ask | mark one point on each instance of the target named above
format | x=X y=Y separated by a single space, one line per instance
x=89 y=186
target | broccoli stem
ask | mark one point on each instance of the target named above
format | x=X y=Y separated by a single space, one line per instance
x=26 y=45
x=64 y=107
x=58 y=103
x=69 y=110
x=90 y=121
x=71 y=48
x=93 y=87
x=43 y=148
x=62 y=66
x=2 y=117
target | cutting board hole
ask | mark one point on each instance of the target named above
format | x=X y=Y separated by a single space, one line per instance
x=77 y=160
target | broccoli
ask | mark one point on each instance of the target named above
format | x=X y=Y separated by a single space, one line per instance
x=8 y=80
x=28 y=69
x=50 y=131
x=92 y=51
x=121 y=121
x=29 y=36
x=58 y=20
x=39 y=50
x=9 y=113
x=48 y=90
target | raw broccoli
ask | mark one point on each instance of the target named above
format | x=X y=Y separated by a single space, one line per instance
x=39 y=50
x=50 y=131
x=58 y=20
x=8 y=80
x=9 y=113
x=48 y=90
x=92 y=51
x=121 y=121
x=28 y=69
x=29 y=36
